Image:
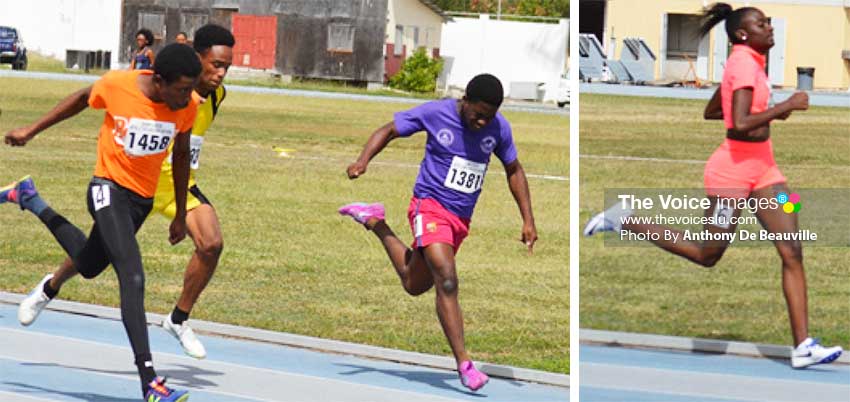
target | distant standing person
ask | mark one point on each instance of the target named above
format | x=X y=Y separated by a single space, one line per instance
x=143 y=57
x=181 y=38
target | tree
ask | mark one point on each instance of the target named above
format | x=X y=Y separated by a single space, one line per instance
x=418 y=73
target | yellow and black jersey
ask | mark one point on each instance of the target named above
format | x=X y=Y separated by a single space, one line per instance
x=206 y=114
x=164 y=199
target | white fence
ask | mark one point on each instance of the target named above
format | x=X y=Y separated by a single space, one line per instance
x=51 y=27
x=512 y=51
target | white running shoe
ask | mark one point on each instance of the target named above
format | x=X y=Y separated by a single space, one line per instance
x=192 y=346
x=810 y=352
x=608 y=221
x=34 y=303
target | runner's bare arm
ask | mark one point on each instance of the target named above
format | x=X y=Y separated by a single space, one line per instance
x=180 y=175
x=518 y=184
x=379 y=139
x=68 y=107
x=744 y=122
x=714 y=109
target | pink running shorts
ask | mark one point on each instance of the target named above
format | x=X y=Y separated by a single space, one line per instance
x=431 y=223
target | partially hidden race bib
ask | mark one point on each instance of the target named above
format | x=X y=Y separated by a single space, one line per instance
x=147 y=137
x=465 y=176
x=195 y=144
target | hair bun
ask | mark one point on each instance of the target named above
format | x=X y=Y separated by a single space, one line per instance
x=721 y=10
x=712 y=15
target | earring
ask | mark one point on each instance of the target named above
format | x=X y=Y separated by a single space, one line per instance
x=744 y=37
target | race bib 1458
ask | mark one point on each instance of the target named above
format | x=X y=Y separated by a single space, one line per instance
x=147 y=137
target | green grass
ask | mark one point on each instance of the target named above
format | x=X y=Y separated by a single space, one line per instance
x=644 y=289
x=290 y=262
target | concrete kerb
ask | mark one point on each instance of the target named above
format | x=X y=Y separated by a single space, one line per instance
x=307 y=342
x=515 y=107
x=632 y=340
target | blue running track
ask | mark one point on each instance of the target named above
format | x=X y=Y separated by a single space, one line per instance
x=68 y=357
x=617 y=374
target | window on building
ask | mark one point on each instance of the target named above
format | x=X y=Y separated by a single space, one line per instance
x=340 y=38
x=399 y=40
x=190 y=22
x=155 y=21
x=416 y=43
x=429 y=33
x=682 y=36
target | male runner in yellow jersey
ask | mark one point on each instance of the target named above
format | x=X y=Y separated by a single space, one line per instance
x=214 y=45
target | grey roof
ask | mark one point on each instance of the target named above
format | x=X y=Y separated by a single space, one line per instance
x=430 y=4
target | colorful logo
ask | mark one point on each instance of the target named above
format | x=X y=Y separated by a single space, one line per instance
x=431 y=227
x=790 y=203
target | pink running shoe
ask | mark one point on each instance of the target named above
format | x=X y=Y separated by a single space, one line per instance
x=470 y=377
x=362 y=212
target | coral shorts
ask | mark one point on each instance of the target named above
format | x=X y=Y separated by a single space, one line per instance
x=431 y=223
x=737 y=168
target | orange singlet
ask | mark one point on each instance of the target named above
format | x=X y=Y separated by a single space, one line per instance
x=136 y=131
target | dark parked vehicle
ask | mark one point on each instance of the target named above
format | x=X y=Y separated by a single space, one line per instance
x=12 y=50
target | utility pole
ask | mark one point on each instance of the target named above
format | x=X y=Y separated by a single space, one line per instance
x=499 y=11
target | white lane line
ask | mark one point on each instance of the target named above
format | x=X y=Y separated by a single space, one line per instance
x=538 y=108
x=642 y=159
x=172 y=359
x=693 y=161
x=414 y=166
x=328 y=346
x=11 y=396
x=129 y=377
x=714 y=385
x=546 y=177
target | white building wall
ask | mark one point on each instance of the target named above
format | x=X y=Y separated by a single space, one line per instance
x=413 y=14
x=512 y=51
x=50 y=27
